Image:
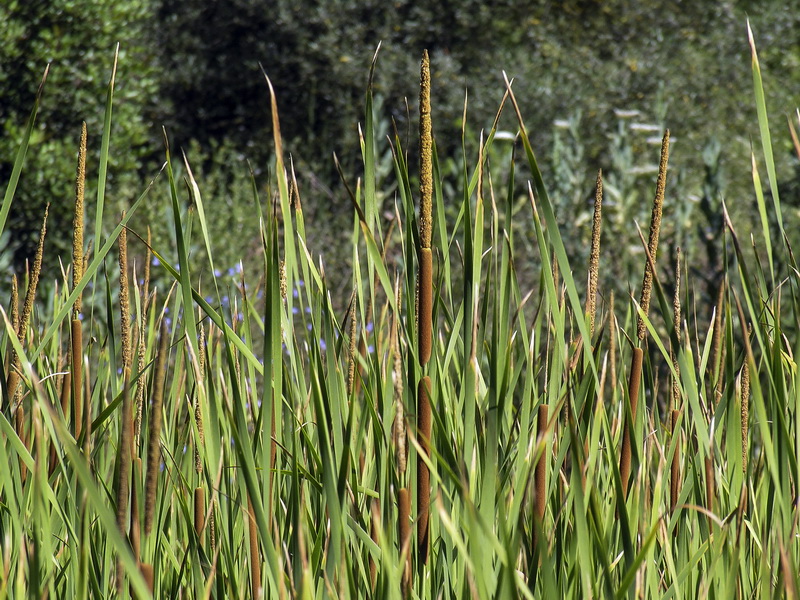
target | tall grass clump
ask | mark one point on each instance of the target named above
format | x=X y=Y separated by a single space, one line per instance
x=474 y=422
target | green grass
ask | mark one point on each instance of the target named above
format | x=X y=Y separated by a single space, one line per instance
x=271 y=380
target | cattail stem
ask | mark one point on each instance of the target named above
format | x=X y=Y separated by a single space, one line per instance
x=633 y=393
x=154 y=449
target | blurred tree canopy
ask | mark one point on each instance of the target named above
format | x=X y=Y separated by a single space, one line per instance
x=193 y=66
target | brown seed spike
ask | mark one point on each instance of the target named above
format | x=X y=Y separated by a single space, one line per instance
x=633 y=393
x=541 y=465
x=404 y=526
x=14 y=303
x=594 y=253
x=425 y=154
x=655 y=228
x=425 y=305
x=77 y=224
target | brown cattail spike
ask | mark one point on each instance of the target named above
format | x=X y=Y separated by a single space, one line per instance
x=255 y=559
x=77 y=224
x=655 y=228
x=404 y=526
x=423 y=473
x=425 y=305
x=633 y=393
x=594 y=253
x=154 y=449
x=199 y=511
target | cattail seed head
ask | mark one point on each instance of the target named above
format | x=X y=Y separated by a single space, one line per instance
x=77 y=224
x=655 y=228
x=594 y=253
x=124 y=303
x=425 y=154
x=14 y=303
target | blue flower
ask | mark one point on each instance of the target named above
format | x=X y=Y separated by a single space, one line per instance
x=322 y=345
x=155 y=261
x=217 y=273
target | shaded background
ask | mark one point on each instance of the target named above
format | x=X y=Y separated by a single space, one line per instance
x=597 y=83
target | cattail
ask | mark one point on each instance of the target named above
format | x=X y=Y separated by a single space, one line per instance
x=78 y=269
x=425 y=153
x=154 y=449
x=594 y=254
x=124 y=303
x=745 y=412
x=135 y=531
x=199 y=510
x=710 y=483
x=255 y=559
x=27 y=307
x=149 y=576
x=676 y=387
x=676 y=327
x=425 y=304
x=633 y=393
x=77 y=224
x=655 y=228
x=404 y=519
x=198 y=413
x=123 y=484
